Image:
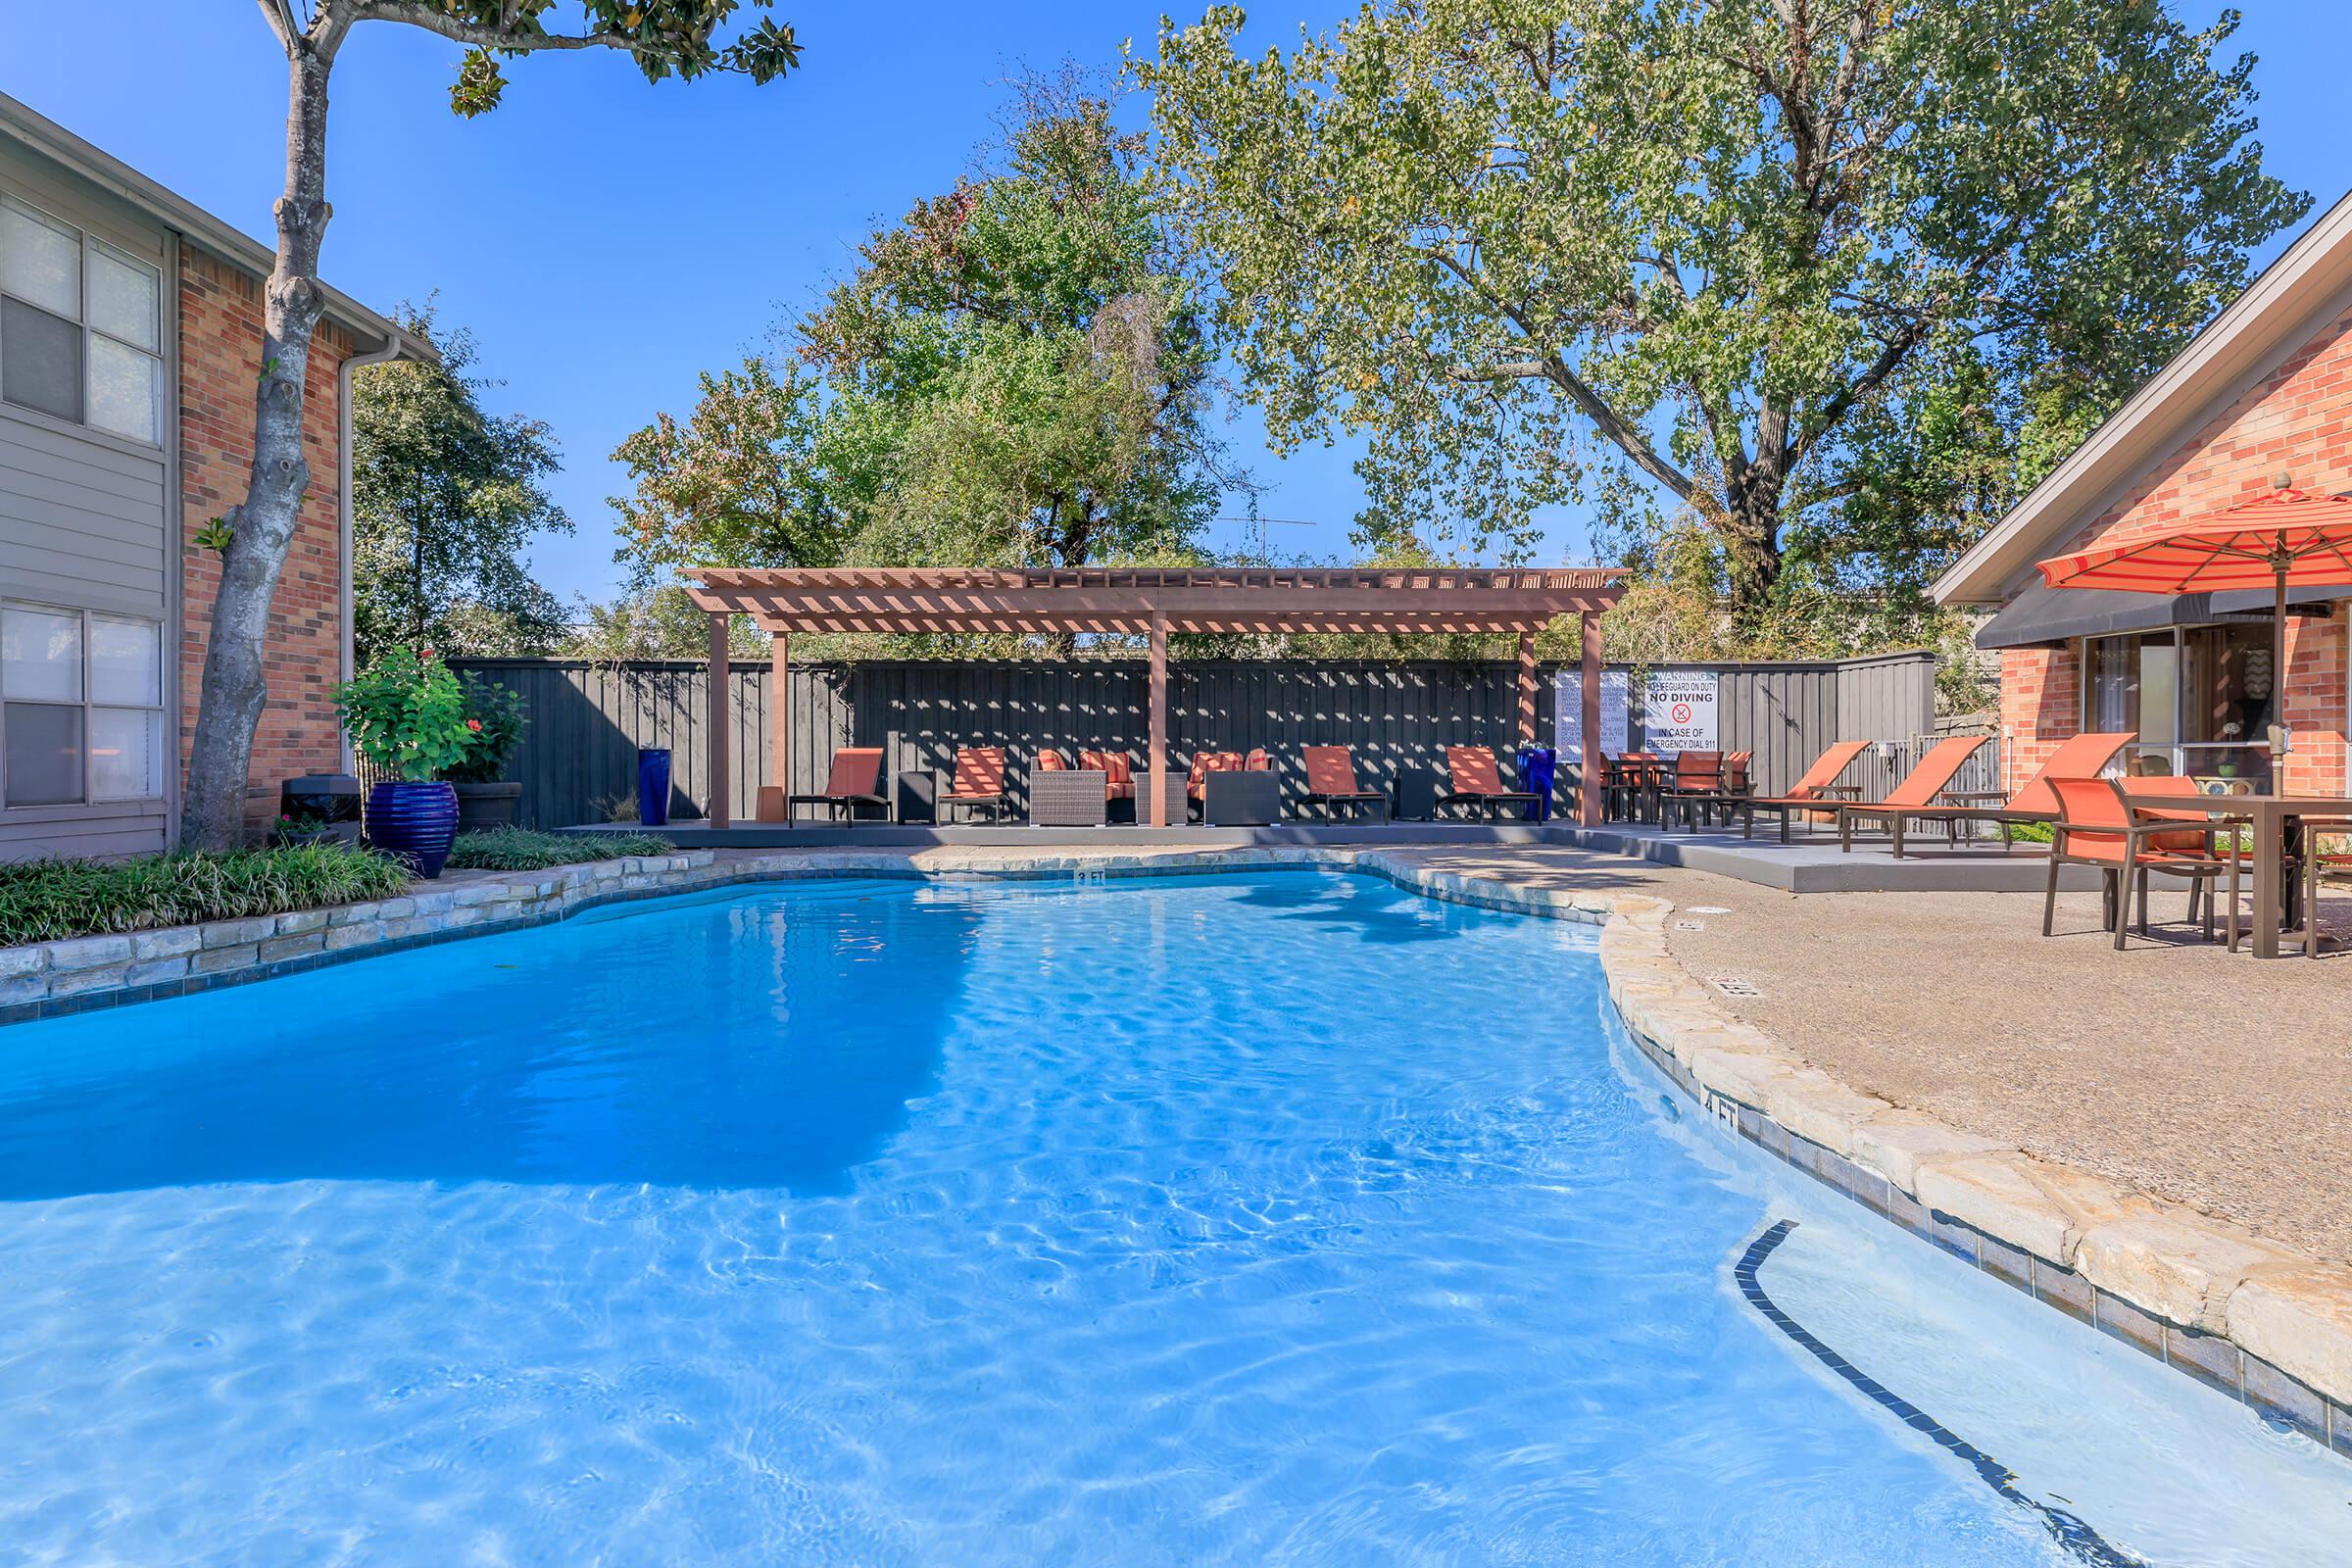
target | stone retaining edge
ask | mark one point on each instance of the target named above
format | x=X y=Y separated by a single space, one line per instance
x=2259 y=1322
x=2268 y=1326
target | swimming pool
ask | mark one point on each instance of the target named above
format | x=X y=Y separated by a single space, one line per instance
x=1285 y=1218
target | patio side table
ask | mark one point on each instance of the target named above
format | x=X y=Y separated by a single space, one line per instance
x=1241 y=800
x=919 y=796
x=1171 y=791
x=1067 y=798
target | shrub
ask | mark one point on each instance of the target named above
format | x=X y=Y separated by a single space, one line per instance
x=496 y=714
x=406 y=714
x=518 y=849
x=44 y=900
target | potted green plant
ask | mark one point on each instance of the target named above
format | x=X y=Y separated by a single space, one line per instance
x=495 y=714
x=406 y=714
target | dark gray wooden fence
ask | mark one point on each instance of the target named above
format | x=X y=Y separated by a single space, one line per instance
x=579 y=761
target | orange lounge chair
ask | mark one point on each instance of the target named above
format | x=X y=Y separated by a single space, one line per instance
x=1331 y=780
x=980 y=780
x=2081 y=757
x=855 y=780
x=1476 y=777
x=1814 y=791
x=1922 y=787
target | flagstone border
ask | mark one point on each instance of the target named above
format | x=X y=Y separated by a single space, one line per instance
x=2263 y=1324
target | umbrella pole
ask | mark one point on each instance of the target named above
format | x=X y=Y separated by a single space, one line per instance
x=2278 y=686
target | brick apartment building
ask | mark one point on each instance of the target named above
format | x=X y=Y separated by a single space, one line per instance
x=2262 y=397
x=130 y=331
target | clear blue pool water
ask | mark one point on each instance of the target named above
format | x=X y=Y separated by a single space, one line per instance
x=1279 y=1219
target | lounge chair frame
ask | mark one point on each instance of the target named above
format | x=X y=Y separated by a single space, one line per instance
x=2084 y=755
x=838 y=801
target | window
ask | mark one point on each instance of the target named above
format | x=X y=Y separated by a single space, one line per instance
x=81 y=327
x=81 y=707
x=2199 y=698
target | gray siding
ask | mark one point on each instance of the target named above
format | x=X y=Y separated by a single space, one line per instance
x=87 y=523
x=82 y=520
x=587 y=720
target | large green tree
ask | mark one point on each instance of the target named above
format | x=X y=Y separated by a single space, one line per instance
x=1016 y=373
x=446 y=499
x=663 y=37
x=1818 y=270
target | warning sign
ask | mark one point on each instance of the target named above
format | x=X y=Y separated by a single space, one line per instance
x=1677 y=713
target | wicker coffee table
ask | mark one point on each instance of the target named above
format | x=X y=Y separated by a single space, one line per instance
x=1067 y=798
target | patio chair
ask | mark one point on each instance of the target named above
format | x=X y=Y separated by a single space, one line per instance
x=1623 y=780
x=2097 y=826
x=1331 y=781
x=1815 y=790
x=1118 y=777
x=1698 y=778
x=1475 y=778
x=1195 y=782
x=2082 y=757
x=979 y=781
x=854 y=780
x=1049 y=760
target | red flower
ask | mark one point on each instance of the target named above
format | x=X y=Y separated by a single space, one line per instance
x=475 y=724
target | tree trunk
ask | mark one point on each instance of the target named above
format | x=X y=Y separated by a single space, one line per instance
x=1751 y=549
x=234 y=692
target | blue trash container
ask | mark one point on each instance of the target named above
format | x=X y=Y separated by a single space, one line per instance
x=1538 y=766
x=653 y=786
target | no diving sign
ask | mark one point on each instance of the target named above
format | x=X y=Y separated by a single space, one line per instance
x=1677 y=713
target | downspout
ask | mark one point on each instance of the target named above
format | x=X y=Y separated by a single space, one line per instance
x=347 y=663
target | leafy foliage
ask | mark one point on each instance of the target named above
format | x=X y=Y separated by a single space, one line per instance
x=1017 y=372
x=516 y=848
x=666 y=37
x=406 y=714
x=446 y=500
x=1832 y=277
x=49 y=900
x=496 y=716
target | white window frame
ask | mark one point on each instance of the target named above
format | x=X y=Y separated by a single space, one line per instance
x=165 y=738
x=88 y=243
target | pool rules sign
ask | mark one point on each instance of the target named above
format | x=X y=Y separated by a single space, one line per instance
x=1678 y=712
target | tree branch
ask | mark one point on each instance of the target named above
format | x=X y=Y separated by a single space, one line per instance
x=279 y=14
x=502 y=36
x=1559 y=372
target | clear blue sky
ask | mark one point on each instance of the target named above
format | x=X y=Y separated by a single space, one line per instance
x=607 y=240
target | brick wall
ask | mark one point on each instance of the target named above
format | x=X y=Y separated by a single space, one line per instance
x=2297 y=421
x=220 y=361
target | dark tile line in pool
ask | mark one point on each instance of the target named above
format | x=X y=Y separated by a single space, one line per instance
x=2071 y=1533
x=2212 y=1360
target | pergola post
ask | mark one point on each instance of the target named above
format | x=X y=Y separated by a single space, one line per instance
x=779 y=713
x=716 y=812
x=1588 y=789
x=1527 y=688
x=1155 y=758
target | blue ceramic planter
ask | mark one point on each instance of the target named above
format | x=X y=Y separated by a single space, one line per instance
x=652 y=785
x=413 y=822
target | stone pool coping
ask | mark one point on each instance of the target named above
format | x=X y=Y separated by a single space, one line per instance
x=2262 y=1323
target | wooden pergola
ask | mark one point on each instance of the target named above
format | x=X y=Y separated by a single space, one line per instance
x=1149 y=602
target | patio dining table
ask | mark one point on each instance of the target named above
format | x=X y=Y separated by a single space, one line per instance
x=2268 y=815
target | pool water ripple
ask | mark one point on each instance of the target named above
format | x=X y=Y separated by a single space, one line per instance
x=1284 y=1219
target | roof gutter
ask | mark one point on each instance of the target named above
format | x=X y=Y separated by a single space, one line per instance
x=394 y=347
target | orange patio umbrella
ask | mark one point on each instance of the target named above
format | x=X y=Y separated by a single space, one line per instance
x=2284 y=539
